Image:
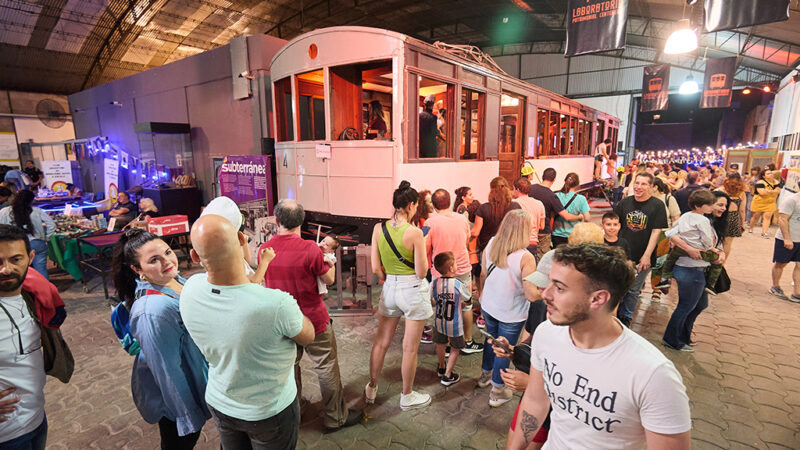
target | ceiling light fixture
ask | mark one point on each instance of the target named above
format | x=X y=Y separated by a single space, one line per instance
x=689 y=86
x=766 y=88
x=682 y=40
x=746 y=91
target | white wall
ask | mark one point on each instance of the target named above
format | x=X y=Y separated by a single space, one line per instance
x=786 y=109
x=616 y=105
x=34 y=130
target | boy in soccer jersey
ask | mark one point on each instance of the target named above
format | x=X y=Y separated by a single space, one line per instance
x=448 y=293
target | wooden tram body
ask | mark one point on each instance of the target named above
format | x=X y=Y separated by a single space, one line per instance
x=324 y=81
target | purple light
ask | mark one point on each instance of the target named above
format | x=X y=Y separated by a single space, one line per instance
x=134 y=170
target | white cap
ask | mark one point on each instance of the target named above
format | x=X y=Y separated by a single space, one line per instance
x=541 y=277
x=227 y=208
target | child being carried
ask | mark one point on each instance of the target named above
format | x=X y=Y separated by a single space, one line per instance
x=696 y=230
x=328 y=245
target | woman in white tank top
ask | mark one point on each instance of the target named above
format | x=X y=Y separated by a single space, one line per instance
x=506 y=262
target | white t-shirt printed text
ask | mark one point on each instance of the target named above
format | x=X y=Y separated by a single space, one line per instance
x=606 y=397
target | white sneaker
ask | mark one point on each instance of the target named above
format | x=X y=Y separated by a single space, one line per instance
x=414 y=400
x=498 y=397
x=370 y=393
x=485 y=380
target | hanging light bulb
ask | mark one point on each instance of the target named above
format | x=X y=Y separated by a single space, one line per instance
x=746 y=91
x=689 y=86
x=766 y=88
x=682 y=40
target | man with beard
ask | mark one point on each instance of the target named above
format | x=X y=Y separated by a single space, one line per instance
x=22 y=371
x=608 y=386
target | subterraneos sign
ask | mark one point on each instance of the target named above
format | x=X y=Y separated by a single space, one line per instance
x=655 y=88
x=718 y=82
x=595 y=26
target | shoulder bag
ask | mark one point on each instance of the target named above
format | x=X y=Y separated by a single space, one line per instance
x=392 y=246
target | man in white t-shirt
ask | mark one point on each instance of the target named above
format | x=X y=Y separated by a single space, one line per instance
x=787 y=247
x=22 y=373
x=535 y=208
x=609 y=387
x=248 y=335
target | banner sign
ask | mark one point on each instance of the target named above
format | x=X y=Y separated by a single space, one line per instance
x=244 y=178
x=718 y=82
x=655 y=88
x=9 y=154
x=57 y=175
x=595 y=26
x=110 y=178
x=729 y=14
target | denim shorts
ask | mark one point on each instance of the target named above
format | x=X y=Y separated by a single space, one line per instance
x=406 y=296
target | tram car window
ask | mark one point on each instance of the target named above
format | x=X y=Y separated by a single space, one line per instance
x=283 y=104
x=361 y=101
x=473 y=105
x=434 y=97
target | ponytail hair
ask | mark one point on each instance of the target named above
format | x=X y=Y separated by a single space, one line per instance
x=570 y=181
x=460 y=193
x=404 y=195
x=125 y=255
x=21 y=209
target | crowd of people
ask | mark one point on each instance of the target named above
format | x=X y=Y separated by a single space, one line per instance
x=551 y=291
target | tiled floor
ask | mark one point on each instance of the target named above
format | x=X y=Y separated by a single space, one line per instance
x=743 y=380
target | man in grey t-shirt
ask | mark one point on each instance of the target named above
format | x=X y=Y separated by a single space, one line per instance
x=787 y=247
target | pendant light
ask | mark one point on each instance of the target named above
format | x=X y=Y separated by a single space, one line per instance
x=682 y=40
x=689 y=86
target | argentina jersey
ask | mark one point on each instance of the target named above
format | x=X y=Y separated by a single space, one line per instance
x=447 y=294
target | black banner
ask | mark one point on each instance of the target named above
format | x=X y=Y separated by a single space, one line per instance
x=655 y=88
x=718 y=82
x=595 y=26
x=729 y=14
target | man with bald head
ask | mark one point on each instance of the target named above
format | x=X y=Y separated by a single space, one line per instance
x=248 y=335
x=297 y=264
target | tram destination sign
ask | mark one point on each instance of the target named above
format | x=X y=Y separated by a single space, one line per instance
x=595 y=26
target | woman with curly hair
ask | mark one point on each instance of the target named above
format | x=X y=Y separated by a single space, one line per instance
x=424 y=210
x=490 y=214
x=734 y=187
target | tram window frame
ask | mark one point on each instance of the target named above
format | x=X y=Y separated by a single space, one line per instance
x=475 y=117
x=310 y=96
x=542 y=123
x=445 y=149
x=284 y=106
x=563 y=134
x=351 y=95
x=554 y=141
x=519 y=127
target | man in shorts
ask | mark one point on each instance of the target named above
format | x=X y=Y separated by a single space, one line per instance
x=786 y=248
x=449 y=232
x=608 y=386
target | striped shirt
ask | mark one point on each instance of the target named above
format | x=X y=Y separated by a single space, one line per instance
x=447 y=294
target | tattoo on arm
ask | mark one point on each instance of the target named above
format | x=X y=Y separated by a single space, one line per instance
x=529 y=425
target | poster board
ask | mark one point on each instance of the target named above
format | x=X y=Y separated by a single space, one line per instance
x=9 y=153
x=246 y=180
x=111 y=178
x=57 y=175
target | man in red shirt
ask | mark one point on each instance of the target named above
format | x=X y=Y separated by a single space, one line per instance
x=294 y=270
x=449 y=232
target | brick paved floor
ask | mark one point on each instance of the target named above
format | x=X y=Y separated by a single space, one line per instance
x=743 y=380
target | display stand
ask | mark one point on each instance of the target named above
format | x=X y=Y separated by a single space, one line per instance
x=360 y=276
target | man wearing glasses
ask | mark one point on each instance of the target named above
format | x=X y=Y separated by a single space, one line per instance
x=22 y=372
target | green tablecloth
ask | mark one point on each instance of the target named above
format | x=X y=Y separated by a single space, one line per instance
x=63 y=250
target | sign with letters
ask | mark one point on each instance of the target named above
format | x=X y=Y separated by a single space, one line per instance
x=655 y=88
x=718 y=82
x=595 y=26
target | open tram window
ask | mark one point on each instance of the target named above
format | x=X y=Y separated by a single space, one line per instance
x=554 y=142
x=573 y=136
x=564 y=134
x=435 y=114
x=283 y=106
x=541 y=132
x=472 y=106
x=511 y=123
x=361 y=101
x=311 y=106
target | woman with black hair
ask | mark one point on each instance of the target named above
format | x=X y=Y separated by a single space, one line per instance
x=36 y=223
x=574 y=203
x=169 y=375
x=399 y=258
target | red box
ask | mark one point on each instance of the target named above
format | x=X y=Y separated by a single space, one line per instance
x=164 y=226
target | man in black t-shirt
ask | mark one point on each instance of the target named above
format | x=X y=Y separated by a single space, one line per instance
x=552 y=206
x=682 y=195
x=428 y=130
x=34 y=174
x=642 y=217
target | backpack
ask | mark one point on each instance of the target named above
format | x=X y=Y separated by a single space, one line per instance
x=121 y=322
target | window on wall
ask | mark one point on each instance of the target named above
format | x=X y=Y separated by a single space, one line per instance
x=541 y=132
x=585 y=136
x=361 y=101
x=472 y=107
x=435 y=116
x=283 y=113
x=554 y=141
x=511 y=123
x=311 y=106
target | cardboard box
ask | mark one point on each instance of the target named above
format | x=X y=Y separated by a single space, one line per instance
x=167 y=225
